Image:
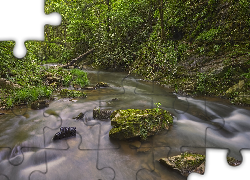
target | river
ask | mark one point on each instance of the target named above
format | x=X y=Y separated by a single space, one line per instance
x=28 y=152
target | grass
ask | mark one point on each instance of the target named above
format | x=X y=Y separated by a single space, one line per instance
x=34 y=87
x=25 y=95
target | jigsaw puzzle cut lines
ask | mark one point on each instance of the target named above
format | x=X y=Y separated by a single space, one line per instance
x=199 y=123
x=112 y=159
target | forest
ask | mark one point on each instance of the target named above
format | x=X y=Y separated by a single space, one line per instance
x=192 y=46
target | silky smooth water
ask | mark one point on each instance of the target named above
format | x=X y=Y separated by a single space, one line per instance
x=27 y=150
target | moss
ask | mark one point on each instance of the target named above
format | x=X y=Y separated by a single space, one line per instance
x=136 y=123
x=72 y=93
x=101 y=113
x=186 y=163
x=102 y=84
x=233 y=162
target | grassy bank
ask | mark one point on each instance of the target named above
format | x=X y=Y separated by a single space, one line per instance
x=23 y=88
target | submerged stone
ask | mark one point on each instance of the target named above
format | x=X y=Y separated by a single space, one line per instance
x=80 y=116
x=102 y=84
x=136 y=123
x=135 y=144
x=101 y=113
x=65 y=132
x=89 y=88
x=143 y=150
x=39 y=104
x=112 y=101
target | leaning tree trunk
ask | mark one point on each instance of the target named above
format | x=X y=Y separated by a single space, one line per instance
x=161 y=19
x=79 y=58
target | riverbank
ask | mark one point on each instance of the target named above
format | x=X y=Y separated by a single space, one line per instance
x=214 y=78
x=16 y=90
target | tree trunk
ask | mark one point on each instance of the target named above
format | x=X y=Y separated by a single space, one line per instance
x=161 y=19
x=79 y=58
x=108 y=24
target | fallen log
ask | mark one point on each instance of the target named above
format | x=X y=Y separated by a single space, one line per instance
x=79 y=58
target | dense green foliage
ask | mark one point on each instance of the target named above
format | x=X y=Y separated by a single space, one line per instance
x=200 y=45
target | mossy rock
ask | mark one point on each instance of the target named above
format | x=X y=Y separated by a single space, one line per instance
x=233 y=162
x=136 y=123
x=102 y=113
x=186 y=163
x=39 y=104
x=72 y=93
x=101 y=84
x=80 y=116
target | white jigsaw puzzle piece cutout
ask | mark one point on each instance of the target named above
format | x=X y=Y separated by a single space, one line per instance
x=217 y=167
x=22 y=20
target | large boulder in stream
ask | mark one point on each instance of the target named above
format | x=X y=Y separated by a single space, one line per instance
x=136 y=123
x=187 y=163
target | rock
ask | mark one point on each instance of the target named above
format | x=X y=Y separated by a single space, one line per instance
x=233 y=162
x=136 y=123
x=39 y=104
x=102 y=113
x=65 y=132
x=101 y=84
x=110 y=102
x=80 y=116
x=90 y=88
x=8 y=84
x=186 y=163
x=72 y=93
x=2 y=113
x=143 y=150
x=77 y=87
x=135 y=144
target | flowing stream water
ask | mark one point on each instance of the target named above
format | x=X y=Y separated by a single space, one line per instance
x=28 y=151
